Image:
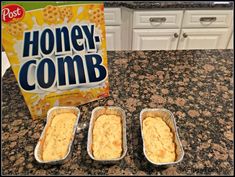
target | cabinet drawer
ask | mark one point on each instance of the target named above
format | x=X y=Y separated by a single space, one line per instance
x=112 y=16
x=157 y=19
x=207 y=18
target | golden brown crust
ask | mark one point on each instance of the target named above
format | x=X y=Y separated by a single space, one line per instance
x=58 y=136
x=107 y=137
x=158 y=140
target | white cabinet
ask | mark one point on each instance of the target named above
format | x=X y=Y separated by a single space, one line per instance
x=215 y=38
x=128 y=29
x=197 y=29
x=230 y=43
x=156 y=29
x=118 y=22
x=113 y=37
x=155 y=39
x=113 y=28
x=205 y=29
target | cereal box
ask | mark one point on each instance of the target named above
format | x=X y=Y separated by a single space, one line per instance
x=57 y=52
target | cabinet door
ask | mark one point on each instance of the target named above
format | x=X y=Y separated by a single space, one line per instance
x=230 y=43
x=216 y=38
x=155 y=39
x=113 y=37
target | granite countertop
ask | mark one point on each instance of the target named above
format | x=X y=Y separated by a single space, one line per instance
x=170 y=4
x=196 y=85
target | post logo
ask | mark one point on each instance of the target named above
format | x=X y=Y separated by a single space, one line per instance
x=12 y=13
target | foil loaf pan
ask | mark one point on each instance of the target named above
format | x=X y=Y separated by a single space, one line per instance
x=110 y=110
x=167 y=117
x=50 y=115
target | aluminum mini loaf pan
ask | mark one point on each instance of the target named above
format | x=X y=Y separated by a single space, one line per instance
x=168 y=117
x=98 y=111
x=50 y=114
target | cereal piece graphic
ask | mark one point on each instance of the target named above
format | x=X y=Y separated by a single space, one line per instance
x=97 y=16
x=51 y=14
x=66 y=12
x=16 y=29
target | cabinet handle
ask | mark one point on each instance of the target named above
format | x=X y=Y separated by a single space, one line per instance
x=185 y=35
x=208 y=19
x=176 y=35
x=157 y=19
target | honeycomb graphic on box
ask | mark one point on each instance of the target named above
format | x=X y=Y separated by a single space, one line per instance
x=57 y=52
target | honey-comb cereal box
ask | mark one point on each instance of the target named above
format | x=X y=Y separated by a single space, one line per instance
x=57 y=52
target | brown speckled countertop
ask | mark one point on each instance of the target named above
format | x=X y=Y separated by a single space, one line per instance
x=196 y=85
x=171 y=4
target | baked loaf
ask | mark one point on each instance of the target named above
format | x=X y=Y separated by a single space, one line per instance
x=158 y=140
x=107 y=137
x=58 y=136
